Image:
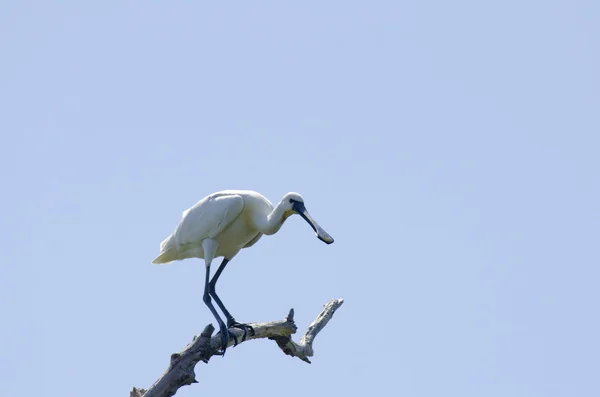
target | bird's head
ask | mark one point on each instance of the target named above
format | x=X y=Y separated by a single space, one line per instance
x=294 y=204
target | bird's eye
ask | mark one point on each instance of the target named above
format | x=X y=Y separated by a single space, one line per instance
x=291 y=201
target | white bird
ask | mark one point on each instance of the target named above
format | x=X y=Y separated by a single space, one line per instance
x=223 y=223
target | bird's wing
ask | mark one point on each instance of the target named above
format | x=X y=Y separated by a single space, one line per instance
x=254 y=240
x=208 y=218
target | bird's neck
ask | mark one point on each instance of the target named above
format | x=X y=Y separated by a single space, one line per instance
x=273 y=222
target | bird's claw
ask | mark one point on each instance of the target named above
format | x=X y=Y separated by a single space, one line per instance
x=224 y=340
x=235 y=339
x=244 y=327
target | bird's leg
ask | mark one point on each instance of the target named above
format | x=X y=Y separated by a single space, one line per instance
x=213 y=293
x=230 y=320
x=207 y=301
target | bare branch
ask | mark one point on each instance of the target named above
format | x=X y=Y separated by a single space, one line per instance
x=137 y=392
x=202 y=348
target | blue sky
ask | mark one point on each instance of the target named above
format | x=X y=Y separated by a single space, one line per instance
x=450 y=148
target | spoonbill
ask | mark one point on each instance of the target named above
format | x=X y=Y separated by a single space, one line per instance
x=220 y=225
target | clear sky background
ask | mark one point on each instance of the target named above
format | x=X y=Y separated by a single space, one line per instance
x=450 y=148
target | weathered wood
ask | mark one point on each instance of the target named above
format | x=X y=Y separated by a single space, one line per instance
x=181 y=368
x=304 y=349
x=137 y=392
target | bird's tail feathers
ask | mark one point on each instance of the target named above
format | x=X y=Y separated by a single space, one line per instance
x=168 y=251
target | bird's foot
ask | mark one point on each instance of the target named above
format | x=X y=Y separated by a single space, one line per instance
x=244 y=327
x=225 y=340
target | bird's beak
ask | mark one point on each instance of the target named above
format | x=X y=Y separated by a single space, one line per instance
x=321 y=234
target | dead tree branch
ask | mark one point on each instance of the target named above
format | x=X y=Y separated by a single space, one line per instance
x=181 y=369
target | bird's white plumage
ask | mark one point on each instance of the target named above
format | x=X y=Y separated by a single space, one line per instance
x=225 y=222
x=206 y=219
